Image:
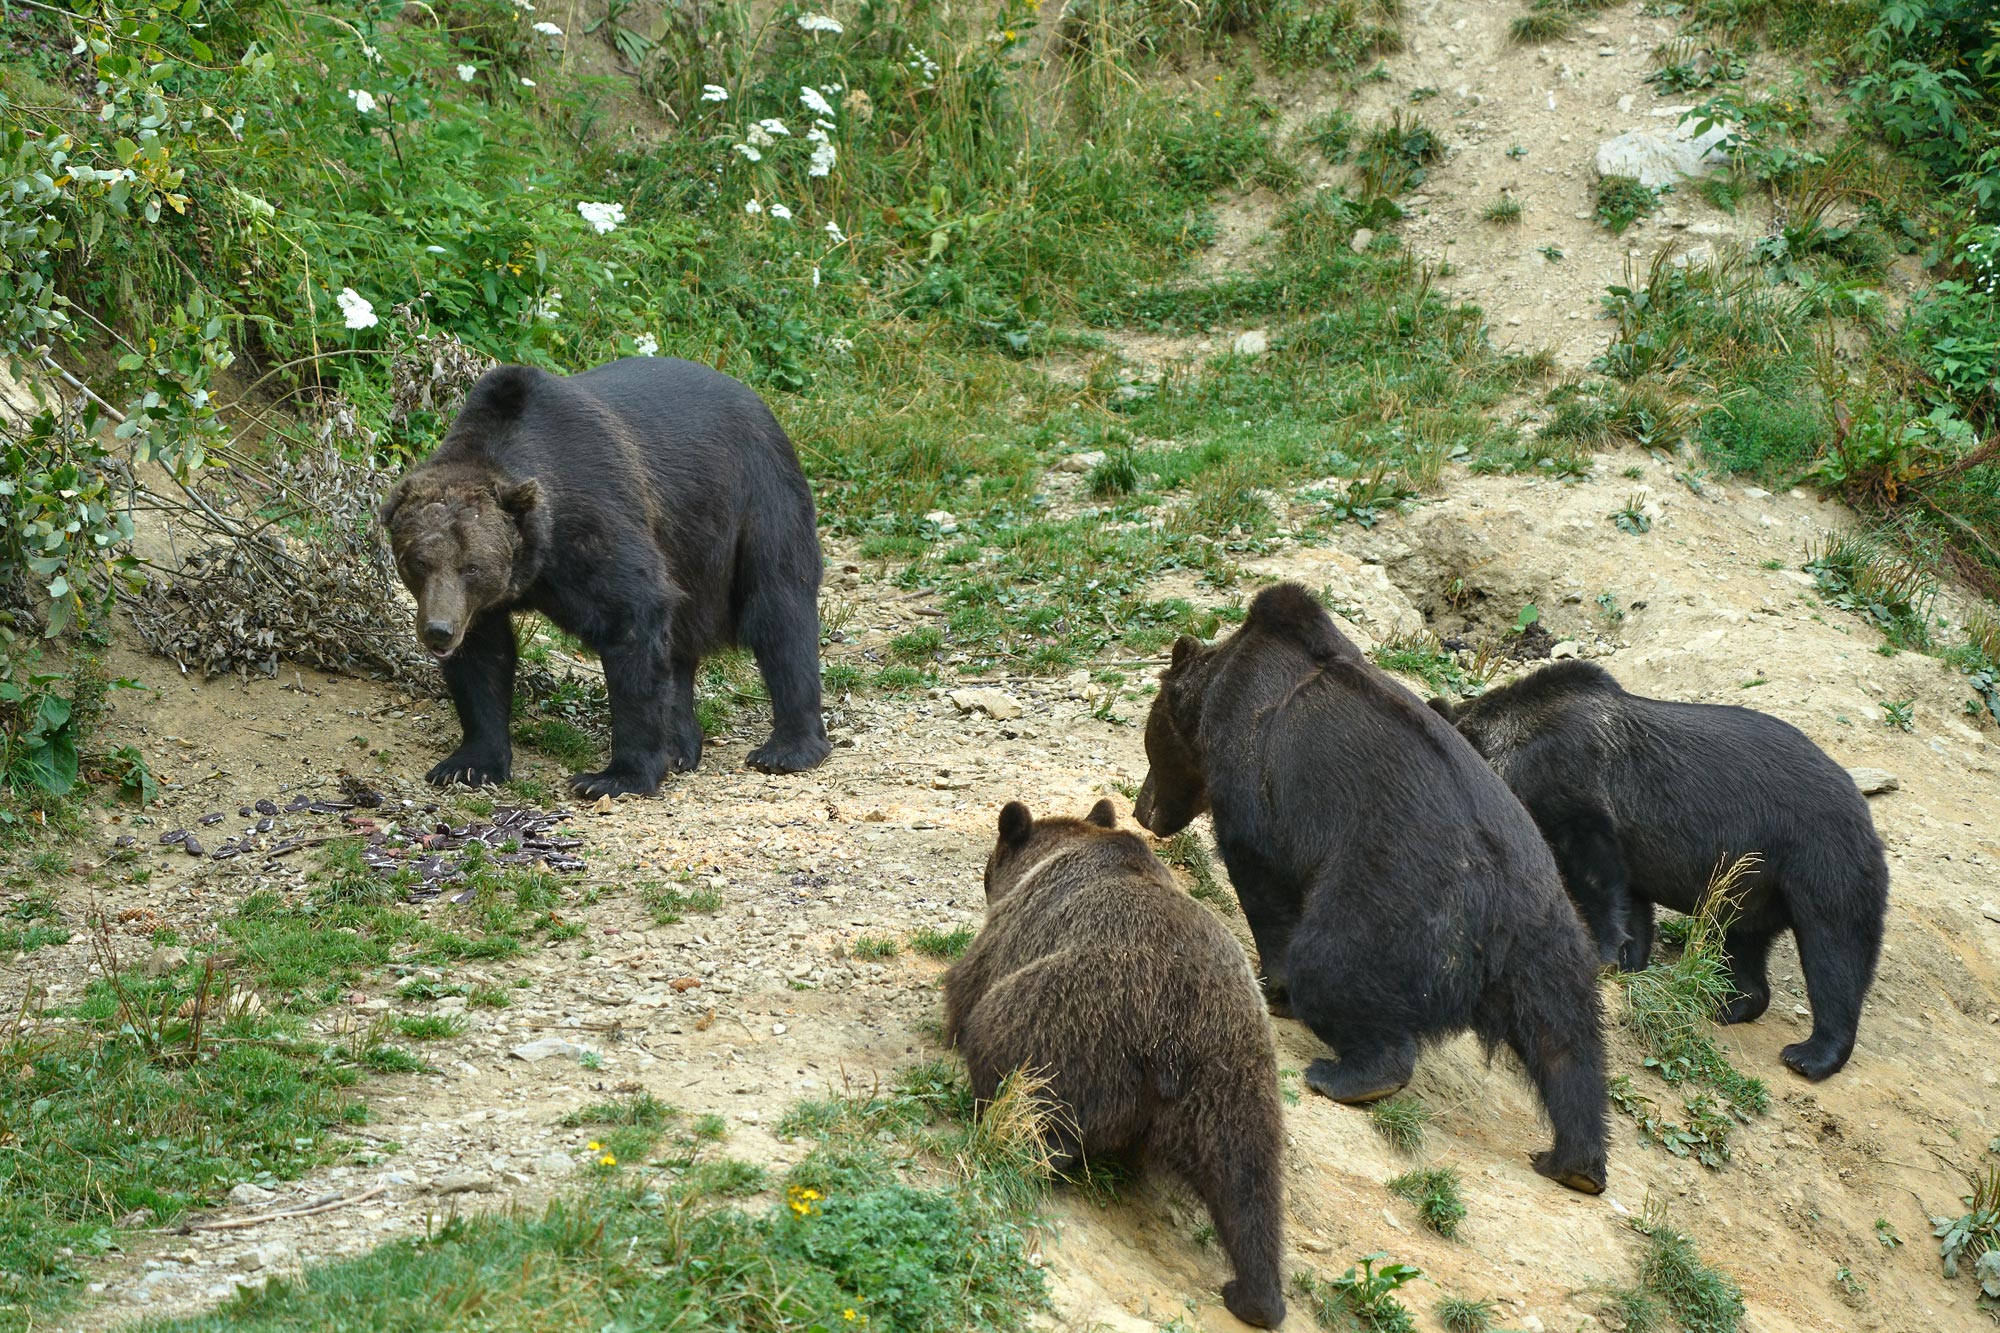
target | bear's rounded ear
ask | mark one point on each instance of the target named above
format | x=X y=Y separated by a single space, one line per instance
x=1442 y=707
x=1016 y=823
x=1103 y=814
x=391 y=502
x=1185 y=647
x=519 y=497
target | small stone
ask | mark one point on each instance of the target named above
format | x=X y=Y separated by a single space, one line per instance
x=1991 y=911
x=1874 y=781
x=1755 y=493
x=1255 y=342
x=777 y=1029
x=267 y=1255
x=1625 y=105
x=996 y=704
x=1531 y=1323
x=556 y=1165
x=162 y=961
x=1566 y=648
x=466 y=1182
x=1081 y=462
x=944 y=519
x=546 y=1047
x=1363 y=238
x=249 y=1196
x=601 y=806
x=684 y=983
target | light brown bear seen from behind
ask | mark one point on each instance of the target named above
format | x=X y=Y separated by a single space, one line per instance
x=1096 y=972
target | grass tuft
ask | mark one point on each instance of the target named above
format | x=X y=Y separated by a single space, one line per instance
x=1435 y=1192
x=1402 y=1120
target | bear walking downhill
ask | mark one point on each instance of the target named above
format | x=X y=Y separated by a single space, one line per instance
x=1396 y=890
x=1642 y=800
x=1095 y=972
x=653 y=508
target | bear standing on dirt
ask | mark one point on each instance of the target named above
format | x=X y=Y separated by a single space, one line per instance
x=1643 y=800
x=1096 y=972
x=654 y=509
x=1396 y=889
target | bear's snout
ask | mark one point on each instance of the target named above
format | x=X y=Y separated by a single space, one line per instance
x=438 y=635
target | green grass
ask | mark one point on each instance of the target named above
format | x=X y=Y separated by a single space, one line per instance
x=1402 y=1120
x=1670 y=1006
x=1457 y=1314
x=874 y=948
x=1701 y=1299
x=1435 y=1192
x=1186 y=851
x=670 y=903
x=1503 y=212
x=430 y=1027
x=942 y=944
x=1621 y=201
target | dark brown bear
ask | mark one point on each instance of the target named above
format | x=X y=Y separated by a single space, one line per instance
x=1396 y=889
x=1095 y=971
x=654 y=509
x=1642 y=800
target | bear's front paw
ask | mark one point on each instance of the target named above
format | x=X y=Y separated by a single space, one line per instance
x=610 y=782
x=474 y=768
x=1259 y=1309
x=1584 y=1178
x=790 y=756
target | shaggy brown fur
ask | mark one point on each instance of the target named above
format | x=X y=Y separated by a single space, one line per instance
x=1097 y=972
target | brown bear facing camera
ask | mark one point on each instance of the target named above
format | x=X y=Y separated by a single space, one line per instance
x=653 y=508
x=1096 y=972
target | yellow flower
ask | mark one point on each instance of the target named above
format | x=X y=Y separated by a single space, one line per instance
x=802 y=1201
x=594 y=1145
x=607 y=1160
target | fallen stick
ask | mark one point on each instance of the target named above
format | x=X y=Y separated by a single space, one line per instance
x=237 y=1223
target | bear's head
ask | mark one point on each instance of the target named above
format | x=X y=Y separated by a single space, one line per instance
x=465 y=539
x=1027 y=844
x=1175 y=790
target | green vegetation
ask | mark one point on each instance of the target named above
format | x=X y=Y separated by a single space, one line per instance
x=1973 y=1237
x=1456 y=1314
x=1401 y=1120
x=874 y=948
x=1186 y=851
x=1434 y=1191
x=1670 y=1007
x=942 y=944
x=1363 y=1295
x=1699 y=1298
x=1621 y=201
x=669 y=902
x=872 y=1231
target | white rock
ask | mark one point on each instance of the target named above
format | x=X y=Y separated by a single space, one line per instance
x=1363 y=238
x=996 y=704
x=1625 y=104
x=1081 y=462
x=1991 y=911
x=466 y=1182
x=1874 y=781
x=249 y=1196
x=1566 y=648
x=556 y=1165
x=1755 y=493
x=1662 y=159
x=1254 y=342
x=946 y=520
x=162 y=961
x=268 y=1255
x=546 y=1047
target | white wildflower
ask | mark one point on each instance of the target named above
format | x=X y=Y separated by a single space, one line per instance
x=373 y=55
x=646 y=345
x=356 y=310
x=603 y=218
x=466 y=73
x=749 y=153
x=815 y=275
x=817 y=134
x=822 y=160
x=774 y=126
x=833 y=230
x=757 y=137
x=525 y=4
x=812 y=100
x=434 y=249
x=832 y=89
x=548 y=30
x=364 y=101
x=819 y=23
x=753 y=208
x=839 y=345
x=711 y=93
x=781 y=213
x=549 y=308
x=527 y=83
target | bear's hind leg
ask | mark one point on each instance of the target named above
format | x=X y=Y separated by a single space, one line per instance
x=1228 y=1147
x=480 y=676
x=1552 y=1023
x=1370 y=1065
x=1749 y=952
x=1838 y=960
x=780 y=625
